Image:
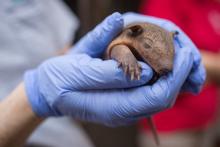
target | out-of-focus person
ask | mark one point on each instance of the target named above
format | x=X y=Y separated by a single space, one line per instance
x=30 y=32
x=184 y=124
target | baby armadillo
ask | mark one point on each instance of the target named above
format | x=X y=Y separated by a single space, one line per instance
x=144 y=42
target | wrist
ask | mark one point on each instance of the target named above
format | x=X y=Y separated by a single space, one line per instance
x=19 y=103
x=17 y=118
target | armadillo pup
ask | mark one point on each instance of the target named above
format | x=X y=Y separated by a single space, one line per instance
x=144 y=42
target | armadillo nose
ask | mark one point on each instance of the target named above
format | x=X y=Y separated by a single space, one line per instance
x=166 y=67
x=164 y=71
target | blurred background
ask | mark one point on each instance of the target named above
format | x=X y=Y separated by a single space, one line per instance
x=34 y=30
x=97 y=10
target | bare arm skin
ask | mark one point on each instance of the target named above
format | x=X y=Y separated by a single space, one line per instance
x=17 y=120
x=212 y=65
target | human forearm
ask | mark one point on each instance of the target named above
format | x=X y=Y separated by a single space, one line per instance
x=17 y=118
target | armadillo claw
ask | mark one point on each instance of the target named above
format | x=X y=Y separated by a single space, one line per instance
x=133 y=70
x=125 y=68
x=132 y=74
x=138 y=72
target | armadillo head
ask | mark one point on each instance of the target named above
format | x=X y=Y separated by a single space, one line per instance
x=151 y=44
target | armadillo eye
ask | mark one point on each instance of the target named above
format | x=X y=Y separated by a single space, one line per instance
x=147 y=46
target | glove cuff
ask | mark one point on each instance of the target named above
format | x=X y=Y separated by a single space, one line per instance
x=38 y=103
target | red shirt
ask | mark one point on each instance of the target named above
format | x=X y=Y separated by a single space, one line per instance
x=200 y=19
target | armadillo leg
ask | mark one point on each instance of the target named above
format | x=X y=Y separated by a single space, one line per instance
x=123 y=55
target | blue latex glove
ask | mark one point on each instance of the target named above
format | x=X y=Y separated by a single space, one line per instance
x=91 y=89
x=48 y=85
x=197 y=75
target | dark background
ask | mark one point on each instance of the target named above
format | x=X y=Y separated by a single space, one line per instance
x=91 y=12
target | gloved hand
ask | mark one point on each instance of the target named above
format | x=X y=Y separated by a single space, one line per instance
x=91 y=89
x=48 y=85
x=197 y=74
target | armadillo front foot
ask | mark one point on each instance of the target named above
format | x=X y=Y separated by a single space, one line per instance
x=126 y=61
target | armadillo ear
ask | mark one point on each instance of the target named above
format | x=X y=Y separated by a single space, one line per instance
x=135 y=30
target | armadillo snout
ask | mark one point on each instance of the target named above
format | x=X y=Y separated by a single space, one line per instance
x=164 y=71
x=164 y=67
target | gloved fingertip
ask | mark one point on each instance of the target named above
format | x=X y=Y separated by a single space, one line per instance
x=114 y=21
x=96 y=41
x=146 y=73
x=198 y=76
x=193 y=89
x=117 y=16
x=184 y=41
